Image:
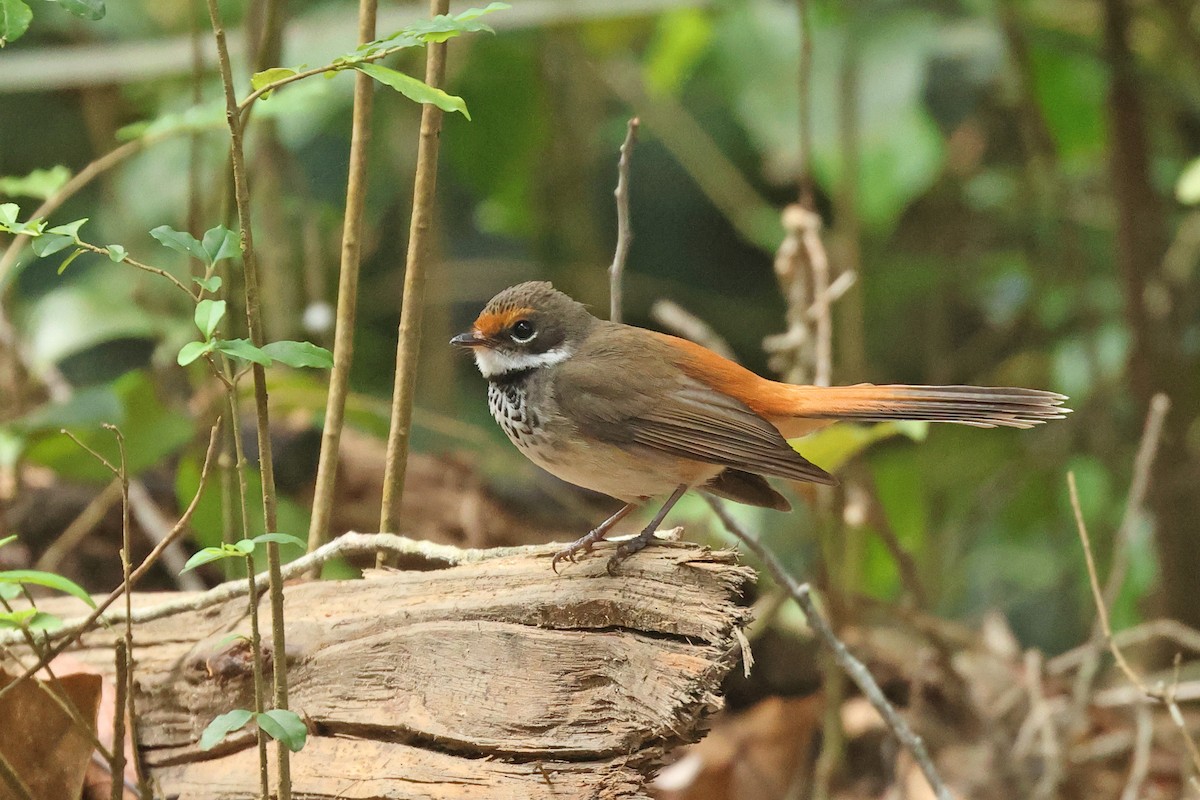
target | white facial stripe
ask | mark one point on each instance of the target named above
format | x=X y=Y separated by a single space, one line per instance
x=492 y=363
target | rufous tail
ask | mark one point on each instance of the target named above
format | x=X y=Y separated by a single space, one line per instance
x=978 y=406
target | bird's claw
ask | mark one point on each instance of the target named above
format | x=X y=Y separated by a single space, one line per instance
x=583 y=545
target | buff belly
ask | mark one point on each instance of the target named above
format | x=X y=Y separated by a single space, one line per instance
x=631 y=475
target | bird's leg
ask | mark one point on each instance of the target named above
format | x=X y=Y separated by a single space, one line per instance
x=585 y=543
x=631 y=546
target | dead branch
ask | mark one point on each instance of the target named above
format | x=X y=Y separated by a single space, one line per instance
x=624 y=233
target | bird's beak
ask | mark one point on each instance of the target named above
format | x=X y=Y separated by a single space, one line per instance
x=469 y=339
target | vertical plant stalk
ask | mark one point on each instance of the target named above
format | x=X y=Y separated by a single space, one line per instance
x=117 y=764
x=624 y=233
x=256 y=656
x=126 y=708
x=409 y=345
x=260 y=687
x=804 y=90
x=347 y=299
x=254 y=324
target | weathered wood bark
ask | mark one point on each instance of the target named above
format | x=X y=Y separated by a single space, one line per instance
x=496 y=679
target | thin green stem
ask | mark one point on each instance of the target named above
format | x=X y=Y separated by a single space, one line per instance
x=409 y=344
x=343 y=336
x=254 y=324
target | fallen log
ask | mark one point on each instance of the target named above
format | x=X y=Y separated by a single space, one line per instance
x=493 y=678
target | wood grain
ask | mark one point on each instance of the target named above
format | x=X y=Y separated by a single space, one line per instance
x=492 y=679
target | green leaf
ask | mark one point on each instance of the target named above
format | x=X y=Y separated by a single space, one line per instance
x=67 y=261
x=30 y=619
x=280 y=538
x=242 y=547
x=48 y=579
x=50 y=243
x=209 y=314
x=8 y=211
x=208 y=116
x=220 y=243
x=243 y=349
x=206 y=556
x=193 y=350
x=269 y=76
x=299 y=354
x=116 y=252
x=15 y=17
x=9 y=591
x=210 y=284
x=181 y=241
x=1187 y=189
x=87 y=9
x=284 y=726
x=414 y=89
x=223 y=725
x=69 y=229
x=39 y=184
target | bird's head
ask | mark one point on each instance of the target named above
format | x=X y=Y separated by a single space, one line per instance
x=526 y=326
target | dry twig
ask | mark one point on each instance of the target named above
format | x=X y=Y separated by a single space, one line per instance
x=624 y=233
x=853 y=668
x=1166 y=696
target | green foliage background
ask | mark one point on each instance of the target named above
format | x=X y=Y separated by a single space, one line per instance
x=963 y=158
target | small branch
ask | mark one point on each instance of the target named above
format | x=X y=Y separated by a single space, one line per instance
x=408 y=346
x=804 y=90
x=347 y=545
x=69 y=634
x=69 y=190
x=678 y=319
x=74 y=534
x=260 y=688
x=853 y=668
x=1143 y=464
x=1166 y=696
x=624 y=234
x=1139 y=766
x=10 y=778
x=117 y=764
x=347 y=299
x=255 y=326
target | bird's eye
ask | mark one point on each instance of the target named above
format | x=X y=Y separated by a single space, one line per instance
x=523 y=331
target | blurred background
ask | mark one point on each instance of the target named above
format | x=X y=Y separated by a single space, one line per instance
x=1007 y=181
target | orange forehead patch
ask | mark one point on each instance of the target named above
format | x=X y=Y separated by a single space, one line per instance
x=492 y=323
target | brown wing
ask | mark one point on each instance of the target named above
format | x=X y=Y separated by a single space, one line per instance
x=655 y=405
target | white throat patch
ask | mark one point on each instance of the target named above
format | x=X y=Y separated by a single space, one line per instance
x=493 y=363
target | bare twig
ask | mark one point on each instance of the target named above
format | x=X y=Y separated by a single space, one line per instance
x=117 y=764
x=68 y=635
x=10 y=778
x=624 y=234
x=804 y=90
x=347 y=545
x=1170 y=629
x=1166 y=696
x=853 y=668
x=408 y=346
x=675 y=317
x=1139 y=766
x=156 y=525
x=347 y=299
x=91 y=516
x=1143 y=464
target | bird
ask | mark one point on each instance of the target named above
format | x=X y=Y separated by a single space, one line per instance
x=637 y=414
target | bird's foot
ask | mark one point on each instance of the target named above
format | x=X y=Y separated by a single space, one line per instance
x=628 y=547
x=583 y=544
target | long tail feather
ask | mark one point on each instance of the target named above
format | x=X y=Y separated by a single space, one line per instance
x=978 y=406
